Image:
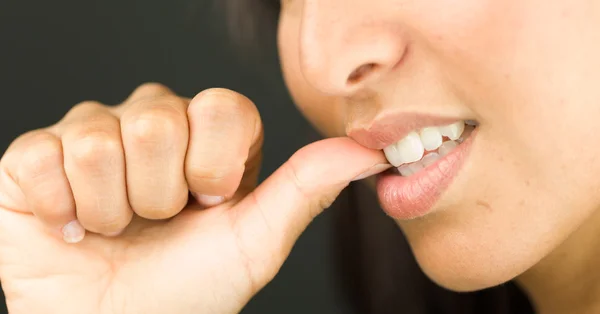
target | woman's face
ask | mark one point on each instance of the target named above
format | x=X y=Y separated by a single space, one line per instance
x=528 y=71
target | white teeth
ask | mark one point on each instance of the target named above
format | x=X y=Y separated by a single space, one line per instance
x=447 y=147
x=453 y=131
x=407 y=155
x=410 y=148
x=393 y=155
x=408 y=170
x=430 y=159
x=407 y=150
x=431 y=138
x=405 y=170
x=416 y=167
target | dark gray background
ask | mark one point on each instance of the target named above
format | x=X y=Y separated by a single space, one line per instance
x=54 y=54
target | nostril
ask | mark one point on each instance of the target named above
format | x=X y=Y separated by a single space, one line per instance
x=361 y=72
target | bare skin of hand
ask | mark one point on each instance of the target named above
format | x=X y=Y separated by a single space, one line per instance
x=97 y=213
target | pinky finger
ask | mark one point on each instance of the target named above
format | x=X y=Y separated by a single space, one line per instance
x=40 y=174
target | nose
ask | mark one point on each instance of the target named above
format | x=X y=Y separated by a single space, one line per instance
x=345 y=46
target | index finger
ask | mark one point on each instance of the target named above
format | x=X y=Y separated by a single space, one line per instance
x=225 y=140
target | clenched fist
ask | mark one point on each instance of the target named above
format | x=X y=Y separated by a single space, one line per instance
x=152 y=206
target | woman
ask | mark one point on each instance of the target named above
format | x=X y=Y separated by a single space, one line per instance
x=478 y=119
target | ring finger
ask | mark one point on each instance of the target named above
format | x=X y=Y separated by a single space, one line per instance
x=95 y=166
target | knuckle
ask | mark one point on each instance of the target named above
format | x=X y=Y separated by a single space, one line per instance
x=152 y=88
x=222 y=102
x=87 y=110
x=228 y=109
x=85 y=106
x=43 y=151
x=94 y=148
x=157 y=121
x=225 y=93
x=294 y=175
x=169 y=104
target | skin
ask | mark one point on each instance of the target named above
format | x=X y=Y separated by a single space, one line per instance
x=526 y=70
x=124 y=173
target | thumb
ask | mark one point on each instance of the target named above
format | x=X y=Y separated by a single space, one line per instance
x=274 y=215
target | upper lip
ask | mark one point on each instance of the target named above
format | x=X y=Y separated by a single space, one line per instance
x=388 y=128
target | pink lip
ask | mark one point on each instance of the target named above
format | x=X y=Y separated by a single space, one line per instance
x=414 y=196
x=392 y=127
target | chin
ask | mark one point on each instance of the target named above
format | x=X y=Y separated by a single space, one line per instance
x=462 y=276
x=463 y=262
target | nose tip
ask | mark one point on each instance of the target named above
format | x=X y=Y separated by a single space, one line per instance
x=342 y=78
x=356 y=60
x=343 y=47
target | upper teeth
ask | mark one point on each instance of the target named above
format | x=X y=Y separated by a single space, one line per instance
x=431 y=138
x=453 y=131
x=412 y=147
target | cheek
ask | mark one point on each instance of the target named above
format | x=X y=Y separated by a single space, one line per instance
x=325 y=113
x=530 y=184
x=530 y=78
x=533 y=87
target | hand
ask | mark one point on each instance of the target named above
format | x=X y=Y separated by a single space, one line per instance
x=124 y=174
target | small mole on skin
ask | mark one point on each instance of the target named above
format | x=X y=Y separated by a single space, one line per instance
x=484 y=204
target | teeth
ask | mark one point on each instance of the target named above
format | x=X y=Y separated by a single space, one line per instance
x=410 y=148
x=405 y=153
x=447 y=147
x=431 y=138
x=416 y=167
x=407 y=150
x=405 y=170
x=393 y=155
x=454 y=130
x=429 y=159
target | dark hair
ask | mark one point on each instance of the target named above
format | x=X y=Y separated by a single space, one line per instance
x=376 y=267
x=251 y=23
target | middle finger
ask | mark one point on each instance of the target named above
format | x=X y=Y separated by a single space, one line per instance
x=155 y=137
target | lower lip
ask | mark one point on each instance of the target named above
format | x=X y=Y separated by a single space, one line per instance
x=412 y=197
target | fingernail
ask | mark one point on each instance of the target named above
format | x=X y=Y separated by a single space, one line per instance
x=372 y=171
x=209 y=200
x=73 y=232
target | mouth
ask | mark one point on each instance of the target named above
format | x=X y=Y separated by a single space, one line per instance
x=425 y=161
x=420 y=149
